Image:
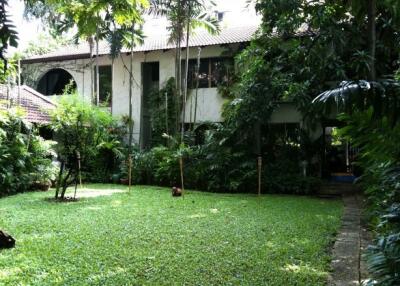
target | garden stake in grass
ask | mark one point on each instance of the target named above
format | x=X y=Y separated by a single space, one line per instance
x=129 y=173
x=259 y=160
x=181 y=168
x=78 y=155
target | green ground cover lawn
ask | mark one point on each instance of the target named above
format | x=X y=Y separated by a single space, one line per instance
x=146 y=237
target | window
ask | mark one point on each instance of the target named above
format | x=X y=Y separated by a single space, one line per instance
x=220 y=16
x=105 y=84
x=211 y=72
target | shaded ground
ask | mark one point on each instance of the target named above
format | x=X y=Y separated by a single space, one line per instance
x=146 y=237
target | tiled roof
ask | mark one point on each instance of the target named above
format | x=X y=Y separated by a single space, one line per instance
x=34 y=103
x=225 y=36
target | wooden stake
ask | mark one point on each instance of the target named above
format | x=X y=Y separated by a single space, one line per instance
x=129 y=173
x=181 y=167
x=259 y=160
x=79 y=169
x=78 y=157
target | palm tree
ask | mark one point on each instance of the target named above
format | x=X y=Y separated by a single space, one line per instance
x=184 y=16
x=8 y=36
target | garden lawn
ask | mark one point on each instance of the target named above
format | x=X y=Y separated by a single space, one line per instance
x=147 y=237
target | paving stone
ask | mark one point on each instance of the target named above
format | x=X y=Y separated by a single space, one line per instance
x=347 y=248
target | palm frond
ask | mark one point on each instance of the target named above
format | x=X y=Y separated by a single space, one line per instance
x=383 y=96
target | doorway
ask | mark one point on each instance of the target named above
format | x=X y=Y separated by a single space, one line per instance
x=151 y=84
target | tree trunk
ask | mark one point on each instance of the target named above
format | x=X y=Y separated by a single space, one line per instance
x=179 y=99
x=372 y=38
x=197 y=87
x=112 y=89
x=130 y=123
x=166 y=113
x=186 y=70
x=90 y=39
x=179 y=65
x=97 y=69
x=59 y=179
x=65 y=184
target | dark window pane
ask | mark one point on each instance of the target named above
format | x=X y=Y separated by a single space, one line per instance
x=191 y=73
x=195 y=72
x=220 y=70
x=105 y=84
x=203 y=73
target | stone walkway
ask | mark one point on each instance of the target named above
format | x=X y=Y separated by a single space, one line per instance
x=346 y=263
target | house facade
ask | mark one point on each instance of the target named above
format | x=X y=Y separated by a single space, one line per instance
x=153 y=64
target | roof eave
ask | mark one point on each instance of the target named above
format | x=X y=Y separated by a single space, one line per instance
x=87 y=55
x=56 y=58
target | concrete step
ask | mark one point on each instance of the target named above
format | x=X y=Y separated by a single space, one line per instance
x=333 y=188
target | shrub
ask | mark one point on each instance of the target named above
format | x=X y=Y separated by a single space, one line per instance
x=24 y=156
x=87 y=133
x=217 y=167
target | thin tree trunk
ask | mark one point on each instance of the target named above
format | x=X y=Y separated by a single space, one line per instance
x=112 y=87
x=130 y=108
x=90 y=39
x=179 y=66
x=177 y=104
x=59 y=179
x=65 y=184
x=186 y=70
x=97 y=69
x=166 y=113
x=180 y=81
x=197 y=87
x=372 y=38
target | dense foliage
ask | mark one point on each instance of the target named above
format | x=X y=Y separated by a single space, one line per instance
x=215 y=166
x=8 y=34
x=377 y=136
x=25 y=157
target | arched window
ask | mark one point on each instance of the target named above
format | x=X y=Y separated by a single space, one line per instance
x=54 y=82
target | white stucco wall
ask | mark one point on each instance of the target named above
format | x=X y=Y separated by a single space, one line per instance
x=286 y=113
x=209 y=101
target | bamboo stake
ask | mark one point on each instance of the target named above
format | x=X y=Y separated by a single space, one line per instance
x=130 y=173
x=259 y=160
x=78 y=157
x=181 y=167
x=166 y=112
x=79 y=169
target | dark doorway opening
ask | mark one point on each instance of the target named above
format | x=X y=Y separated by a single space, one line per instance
x=151 y=84
x=55 y=81
x=339 y=155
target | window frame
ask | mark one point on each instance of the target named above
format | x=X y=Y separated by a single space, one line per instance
x=209 y=61
x=104 y=102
